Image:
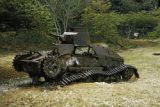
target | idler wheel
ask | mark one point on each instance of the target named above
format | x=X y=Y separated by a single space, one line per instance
x=127 y=74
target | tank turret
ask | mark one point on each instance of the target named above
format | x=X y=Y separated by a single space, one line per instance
x=76 y=38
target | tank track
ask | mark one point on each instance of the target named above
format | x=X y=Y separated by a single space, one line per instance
x=121 y=73
x=89 y=73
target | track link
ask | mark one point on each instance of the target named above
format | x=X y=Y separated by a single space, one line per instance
x=89 y=73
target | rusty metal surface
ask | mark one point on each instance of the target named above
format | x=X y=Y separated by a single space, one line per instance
x=65 y=49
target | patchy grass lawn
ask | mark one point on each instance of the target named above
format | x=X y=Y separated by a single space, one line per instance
x=144 y=92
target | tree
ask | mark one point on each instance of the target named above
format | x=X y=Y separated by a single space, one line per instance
x=25 y=24
x=101 y=23
x=21 y=14
x=64 y=12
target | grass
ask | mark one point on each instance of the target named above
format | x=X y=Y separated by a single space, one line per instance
x=144 y=92
x=142 y=42
x=6 y=69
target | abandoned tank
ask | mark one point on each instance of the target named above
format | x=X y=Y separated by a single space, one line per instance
x=74 y=59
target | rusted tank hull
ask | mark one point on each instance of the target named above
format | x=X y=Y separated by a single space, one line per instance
x=74 y=59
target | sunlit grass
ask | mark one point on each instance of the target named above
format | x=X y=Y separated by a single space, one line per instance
x=6 y=68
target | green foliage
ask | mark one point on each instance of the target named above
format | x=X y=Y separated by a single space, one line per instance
x=20 y=14
x=30 y=21
x=110 y=26
x=34 y=21
x=155 y=34
x=125 y=6
x=156 y=31
x=137 y=22
x=101 y=23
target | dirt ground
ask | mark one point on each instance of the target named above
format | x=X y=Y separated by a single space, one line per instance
x=144 y=92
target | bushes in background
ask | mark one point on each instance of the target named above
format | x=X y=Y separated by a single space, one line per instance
x=25 y=40
x=33 y=23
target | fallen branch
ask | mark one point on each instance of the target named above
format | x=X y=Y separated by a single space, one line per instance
x=156 y=54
